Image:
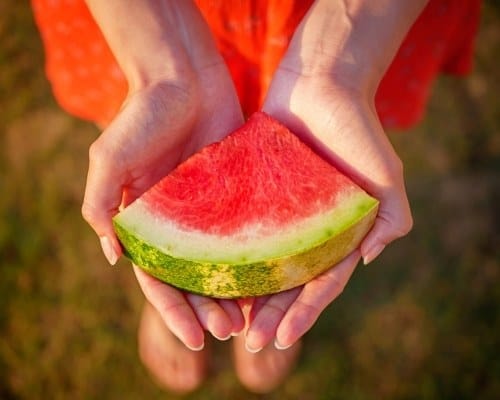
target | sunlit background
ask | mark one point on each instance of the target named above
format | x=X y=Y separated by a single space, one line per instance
x=421 y=322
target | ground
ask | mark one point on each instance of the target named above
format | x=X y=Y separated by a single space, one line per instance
x=420 y=322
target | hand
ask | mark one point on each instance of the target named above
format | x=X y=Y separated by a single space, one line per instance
x=183 y=103
x=339 y=121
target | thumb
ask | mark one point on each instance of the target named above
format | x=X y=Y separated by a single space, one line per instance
x=103 y=195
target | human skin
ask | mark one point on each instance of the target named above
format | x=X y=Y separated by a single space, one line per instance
x=323 y=89
x=181 y=98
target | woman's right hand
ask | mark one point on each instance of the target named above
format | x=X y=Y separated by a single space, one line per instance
x=181 y=99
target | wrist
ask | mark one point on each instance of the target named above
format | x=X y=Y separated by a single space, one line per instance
x=164 y=66
x=154 y=40
x=352 y=42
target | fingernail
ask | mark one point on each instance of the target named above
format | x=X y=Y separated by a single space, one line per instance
x=222 y=339
x=252 y=350
x=107 y=249
x=373 y=253
x=278 y=346
x=199 y=348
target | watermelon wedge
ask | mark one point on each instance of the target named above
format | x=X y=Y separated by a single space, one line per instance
x=257 y=213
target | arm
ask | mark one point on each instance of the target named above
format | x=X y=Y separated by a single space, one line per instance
x=177 y=82
x=324 y=89
x=155 y=40
x=353 y=41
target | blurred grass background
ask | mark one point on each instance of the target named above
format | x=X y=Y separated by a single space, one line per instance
x=420 y=323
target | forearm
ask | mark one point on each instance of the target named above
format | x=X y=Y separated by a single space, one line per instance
x=152 y=39
x=352 y=39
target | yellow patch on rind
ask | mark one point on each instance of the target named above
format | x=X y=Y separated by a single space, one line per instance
x=222 y=280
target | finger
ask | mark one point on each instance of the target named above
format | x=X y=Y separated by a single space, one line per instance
x=235 y=314
x=174 y=309
x=130 y=145
x=246 y=304
x=312 y=300
x=211 y=316
x=269 y=313
x=253 y=309
x=102 y=199
x=393 y=221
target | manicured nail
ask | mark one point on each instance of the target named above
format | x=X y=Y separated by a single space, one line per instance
x=252 y=350
x=278 y=346
x=108 y=250
x=222 y=339
x=373 y=253
x=199 y=348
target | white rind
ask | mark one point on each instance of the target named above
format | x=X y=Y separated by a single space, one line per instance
x=250 y=244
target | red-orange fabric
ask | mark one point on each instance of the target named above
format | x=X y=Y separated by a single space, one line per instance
x=252 y=36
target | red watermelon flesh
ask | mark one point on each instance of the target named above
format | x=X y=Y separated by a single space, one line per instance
x=261 y=174
x=256 y=213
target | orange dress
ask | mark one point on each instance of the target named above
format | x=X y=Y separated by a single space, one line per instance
x=252 y=36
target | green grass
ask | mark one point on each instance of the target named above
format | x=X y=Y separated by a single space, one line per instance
x=419 y=323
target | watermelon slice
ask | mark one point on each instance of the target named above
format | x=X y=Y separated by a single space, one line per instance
x=257 y=213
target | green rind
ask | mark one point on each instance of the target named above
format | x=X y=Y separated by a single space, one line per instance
x=244 y=280
x=248 y=245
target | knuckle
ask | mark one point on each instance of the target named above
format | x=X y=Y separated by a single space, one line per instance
x=98 y=152
x=336 y=288
x=409 y=224
x=304 y=320
x=276 y=309
x=332 y=285
x=310 y=310
x=107 y=151
x=398 y=229
x=398 y=166
x=403 y=228
x=88 y=213
x=406 y=224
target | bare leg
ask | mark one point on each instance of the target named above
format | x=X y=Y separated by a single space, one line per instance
x=173 y=365
x=264 y=371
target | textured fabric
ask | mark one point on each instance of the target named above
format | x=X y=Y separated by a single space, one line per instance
x=252 y=36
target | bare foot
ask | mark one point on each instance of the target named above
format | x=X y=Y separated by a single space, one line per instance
x=173 y=365
x=264 y=371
